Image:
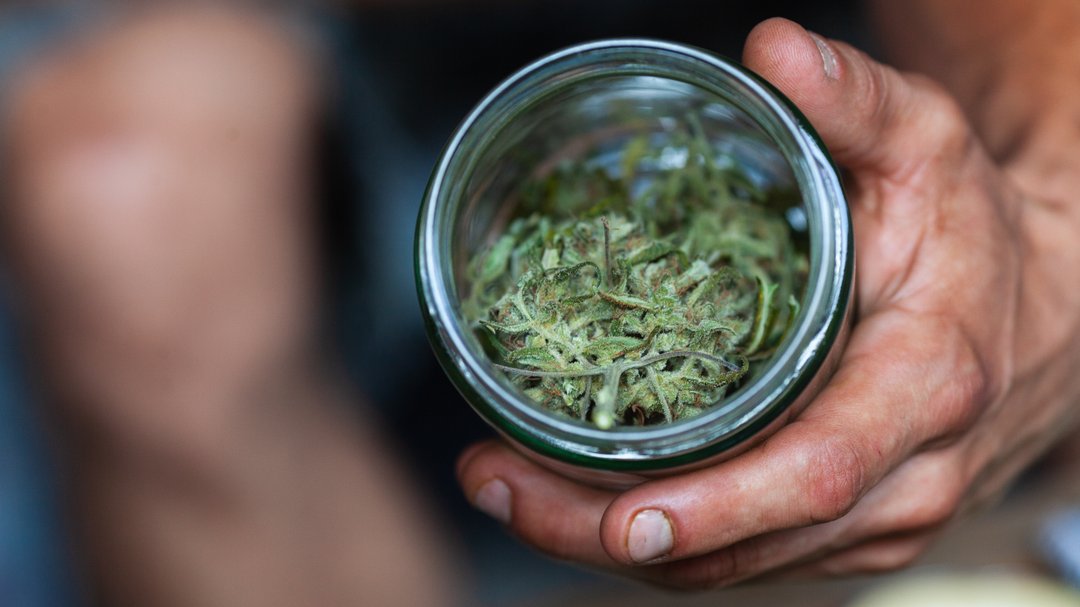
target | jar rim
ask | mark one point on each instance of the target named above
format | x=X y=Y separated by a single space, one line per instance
x=766 y=396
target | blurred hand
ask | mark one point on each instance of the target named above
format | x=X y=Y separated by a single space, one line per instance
x=959 y=371
x=158 y=220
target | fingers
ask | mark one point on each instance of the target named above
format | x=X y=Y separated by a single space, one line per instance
x=910 y=380
x=891 y=525
x=886 y=402
x=870 y=116
x=921 y=496
x=878 y=556
x=929 y=208
x=554 y=514
x=813 y=471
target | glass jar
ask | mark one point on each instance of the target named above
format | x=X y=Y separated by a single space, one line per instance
x=589 y=99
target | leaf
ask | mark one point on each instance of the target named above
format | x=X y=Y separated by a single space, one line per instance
x=658 y=250
x=793 y=311
x=529 y=280
x=705 y=383
x=663 y=392
x=556 y=280
x=727 y=274
x=550 y=259
x=537 y=357
x=626 y=301
x=509 y=329
x=764 y=315
x=491 y=344
x=707 y=330
x=627 y=324
x=610 y=348
x=565 y=273
x=591 y=315
x=495 y=260
x=789 y=323
x=716 y=378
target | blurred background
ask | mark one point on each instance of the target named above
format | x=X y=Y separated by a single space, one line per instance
x=401 y=75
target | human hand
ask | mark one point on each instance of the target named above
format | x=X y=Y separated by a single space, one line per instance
x=159 y=226
x=958 y=372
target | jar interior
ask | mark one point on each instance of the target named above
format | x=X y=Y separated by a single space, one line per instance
x=594 y=122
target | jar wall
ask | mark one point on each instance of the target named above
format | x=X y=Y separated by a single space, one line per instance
x=585 y=104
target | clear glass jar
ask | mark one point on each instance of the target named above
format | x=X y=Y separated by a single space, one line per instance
x=589 y=99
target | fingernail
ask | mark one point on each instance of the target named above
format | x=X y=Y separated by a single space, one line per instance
x=650 y=536
x=828 y=57
x=493 y=499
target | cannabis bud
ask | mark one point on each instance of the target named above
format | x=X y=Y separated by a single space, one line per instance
x=641 y=291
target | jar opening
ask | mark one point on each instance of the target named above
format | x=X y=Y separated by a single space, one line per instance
x=587 y=105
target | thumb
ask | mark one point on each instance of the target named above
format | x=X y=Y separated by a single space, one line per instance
x=870 y=116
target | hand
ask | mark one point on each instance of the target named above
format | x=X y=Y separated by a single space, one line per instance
x=158 y=224
x=958 y=373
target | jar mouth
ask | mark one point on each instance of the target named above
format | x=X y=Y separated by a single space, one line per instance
x=735 y=418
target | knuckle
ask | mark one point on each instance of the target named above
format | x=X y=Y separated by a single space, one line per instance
x=894 y=558
x=484 y=462
x=835 y=478
x=937 y=504
x=946 y=122
x=874 y=87
x=905 y=559
x=965 y=391
x=882 y=556
x=473 y=460
x=962 y=400
x=933 y=509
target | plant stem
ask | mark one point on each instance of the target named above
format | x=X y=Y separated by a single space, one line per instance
x=607 y=397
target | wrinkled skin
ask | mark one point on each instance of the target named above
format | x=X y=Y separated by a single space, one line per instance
x=957 y=375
